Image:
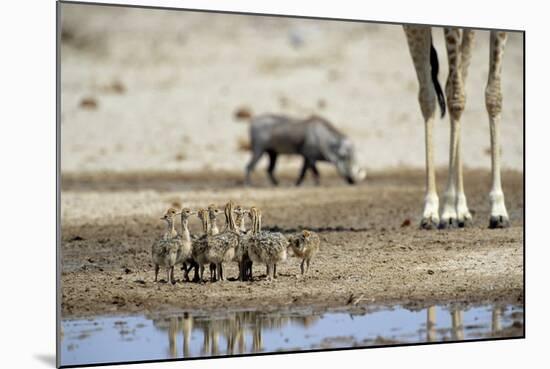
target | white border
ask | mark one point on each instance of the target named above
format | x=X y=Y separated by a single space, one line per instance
x=28 y=185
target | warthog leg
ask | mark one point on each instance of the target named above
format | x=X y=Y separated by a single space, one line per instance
x=271 y=168
x=252 y=164
x=308 y=164
x=315 y=173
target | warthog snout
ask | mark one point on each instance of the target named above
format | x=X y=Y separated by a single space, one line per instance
x=352 y=172
x=359 y=174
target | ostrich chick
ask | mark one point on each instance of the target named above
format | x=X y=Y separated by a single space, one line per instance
x=304 y=246
x=221 y=247
x=264 y=247
x=184 y=252
x=165 y=250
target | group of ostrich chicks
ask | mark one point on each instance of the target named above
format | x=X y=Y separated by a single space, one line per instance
x=233 y=244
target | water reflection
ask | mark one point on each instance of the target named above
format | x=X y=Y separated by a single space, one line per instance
x=457 y=321
x=495 y=321
x=458 y=326
x=192 y=334
x=430 y=324
x=232 y=329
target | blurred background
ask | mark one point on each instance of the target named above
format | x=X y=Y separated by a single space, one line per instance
x=158 y=90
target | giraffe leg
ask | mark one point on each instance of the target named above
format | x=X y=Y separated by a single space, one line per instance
x=464 y=217
x=419 y=39
x=455 y=101
x=466 y=51
x=493 y=100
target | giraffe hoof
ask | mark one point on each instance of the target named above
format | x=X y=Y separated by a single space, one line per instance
x=448 y=223
x=499 y=221
x=428 y=223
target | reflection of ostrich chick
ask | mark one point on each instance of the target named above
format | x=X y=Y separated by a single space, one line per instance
x=230 y=328
x=211 y=335
x=305 y=245
x=241 y=319
x=221 y=247
x=268 y=248
x=172 y=339
x=187 y=327
x=215 y=349
x=257 y=338
x=205 y=340
x=165 y=250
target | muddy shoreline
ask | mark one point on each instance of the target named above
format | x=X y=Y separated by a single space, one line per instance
x=372 y=251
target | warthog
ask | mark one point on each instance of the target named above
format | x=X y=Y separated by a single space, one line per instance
x=314 y=138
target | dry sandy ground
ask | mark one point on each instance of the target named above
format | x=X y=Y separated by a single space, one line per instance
x=154 y=90
x=369 y=252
